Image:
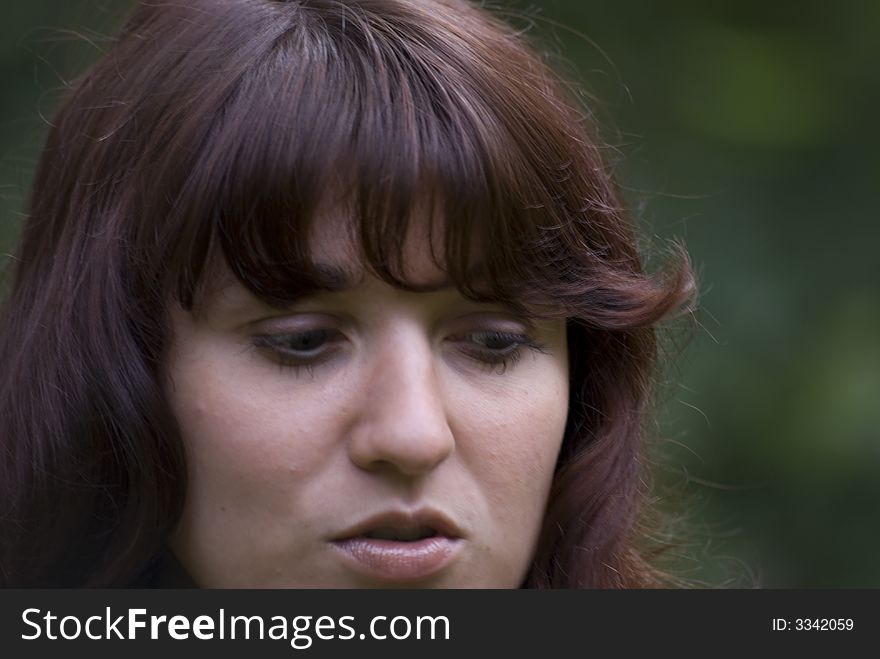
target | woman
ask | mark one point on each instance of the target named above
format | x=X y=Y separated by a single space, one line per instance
x=326 y=293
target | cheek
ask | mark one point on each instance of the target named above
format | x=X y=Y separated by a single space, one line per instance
x=256 y=454
x=229 y=405
x=220 y=424
x=511 y=440
x=248 y=447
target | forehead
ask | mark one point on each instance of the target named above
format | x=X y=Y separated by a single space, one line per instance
x=336 y=263
x=282 y=258
x=338 y=253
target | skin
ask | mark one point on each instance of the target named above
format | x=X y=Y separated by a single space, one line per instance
x=393 y=407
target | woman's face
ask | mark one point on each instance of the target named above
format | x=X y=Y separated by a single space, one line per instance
x=369 y=437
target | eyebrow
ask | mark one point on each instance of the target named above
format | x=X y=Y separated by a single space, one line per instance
x=339 y=278
x=336 y=278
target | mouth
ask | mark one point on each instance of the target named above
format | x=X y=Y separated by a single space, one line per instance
x=401 y=534
x=399 y=547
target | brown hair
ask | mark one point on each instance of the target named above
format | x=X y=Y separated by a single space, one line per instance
x=218 y=129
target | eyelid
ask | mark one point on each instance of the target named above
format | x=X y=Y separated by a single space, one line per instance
x=497 y=359
x=273 y=346
x=515 y=341
x=271 y=333
x=292 y=323
x=277 y=338
x=492 y=321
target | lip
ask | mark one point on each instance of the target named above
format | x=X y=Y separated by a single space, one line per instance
x=400 y=561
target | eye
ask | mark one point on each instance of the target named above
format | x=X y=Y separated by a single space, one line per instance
x=304 y=342
x=498 y=350
x=303 y=348
x=498 y=341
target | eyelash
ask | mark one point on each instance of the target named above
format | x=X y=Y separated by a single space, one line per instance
x=501 y=360
x=278 y=346
x=492 y=360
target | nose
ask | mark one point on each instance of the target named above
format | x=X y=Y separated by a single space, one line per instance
x=401 y=424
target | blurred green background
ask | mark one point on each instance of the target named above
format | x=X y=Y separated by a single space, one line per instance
x=749 y=130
